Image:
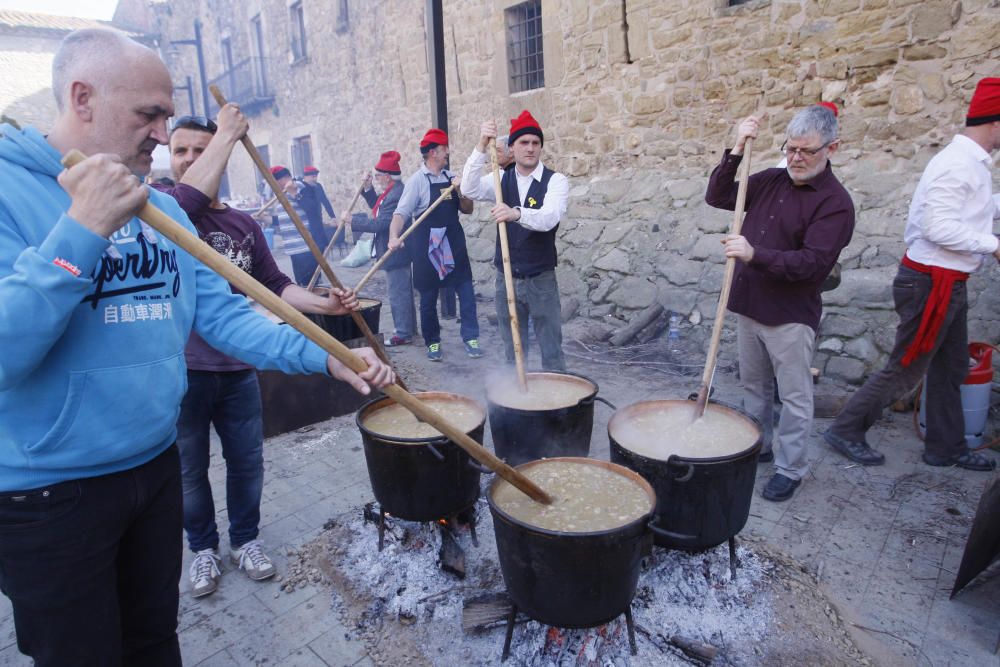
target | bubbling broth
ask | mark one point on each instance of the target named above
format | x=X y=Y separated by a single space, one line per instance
x=545 y=392
x=395 y=421
x=588 y=497
x=671 y=429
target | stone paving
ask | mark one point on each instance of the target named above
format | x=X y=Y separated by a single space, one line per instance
x=885 y=542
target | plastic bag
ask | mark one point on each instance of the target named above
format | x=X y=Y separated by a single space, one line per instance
x=360 y=255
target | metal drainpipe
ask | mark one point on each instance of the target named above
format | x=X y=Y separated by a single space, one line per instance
x=435 y=65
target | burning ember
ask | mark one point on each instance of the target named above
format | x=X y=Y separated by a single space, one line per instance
x=686 y=605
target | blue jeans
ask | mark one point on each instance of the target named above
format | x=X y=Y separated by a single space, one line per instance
x=231 y=402
x=469 y=327
x=91 y=567
x=400 y=283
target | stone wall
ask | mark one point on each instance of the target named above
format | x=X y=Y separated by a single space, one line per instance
x=638 y=118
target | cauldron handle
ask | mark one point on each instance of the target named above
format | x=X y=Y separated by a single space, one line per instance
x=478 y=466
x=670 y=535
x=435 y=452
x=688 y=474
x=606 y=402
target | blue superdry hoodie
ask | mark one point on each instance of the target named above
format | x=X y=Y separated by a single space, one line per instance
x=92 y=332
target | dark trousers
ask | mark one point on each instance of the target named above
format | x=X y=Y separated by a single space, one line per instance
x=231 y=402
x=945 y=366
x=303 y=267
x=429 y=324
x=538 y=298
x=92 y=567
x=318 y=232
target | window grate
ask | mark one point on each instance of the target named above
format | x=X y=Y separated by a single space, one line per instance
x=525 y=62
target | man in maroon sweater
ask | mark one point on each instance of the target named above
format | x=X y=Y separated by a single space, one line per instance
x=223 y=391
x=798 y=219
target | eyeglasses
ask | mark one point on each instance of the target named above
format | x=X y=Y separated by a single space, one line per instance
x=198 y=121
x=802 y=152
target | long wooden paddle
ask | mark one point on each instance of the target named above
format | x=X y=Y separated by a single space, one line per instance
x=344 y=219
x=358 y=318
x=201 y=251
x=508 y=275
x=388 y=253
x=727 y=283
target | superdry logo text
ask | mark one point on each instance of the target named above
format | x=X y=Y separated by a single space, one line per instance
x=66 y=264
x=150 y=262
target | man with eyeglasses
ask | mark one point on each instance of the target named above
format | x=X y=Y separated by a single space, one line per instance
x=222 y=391
x=95 y=310
x=798 y=219
x=948 y=231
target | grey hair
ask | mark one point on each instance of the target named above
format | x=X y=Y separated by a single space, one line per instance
x=814 y=120
x=86 y=53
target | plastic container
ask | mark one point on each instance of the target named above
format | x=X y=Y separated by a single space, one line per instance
x=975 y=389
x=269 y=237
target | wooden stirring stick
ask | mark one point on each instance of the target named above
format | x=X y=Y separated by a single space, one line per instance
x=727 y=283
x=358 y=318
x=246 y=283
x=344 y=218
x=388 y=253
x=508 y=275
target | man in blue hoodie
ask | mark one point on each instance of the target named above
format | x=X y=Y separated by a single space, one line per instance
x=95 y=310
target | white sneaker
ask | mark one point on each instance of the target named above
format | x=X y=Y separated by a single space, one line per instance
x=251 y=557
x=205 y=573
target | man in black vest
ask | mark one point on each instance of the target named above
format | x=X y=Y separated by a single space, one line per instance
x=534 y=198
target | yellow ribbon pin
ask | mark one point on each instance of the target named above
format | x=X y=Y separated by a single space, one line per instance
x=531 y=202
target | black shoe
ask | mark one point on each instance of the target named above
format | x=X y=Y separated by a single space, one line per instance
x=766 y=457
x=859 y=452
x=780 y=488
x=968 y=459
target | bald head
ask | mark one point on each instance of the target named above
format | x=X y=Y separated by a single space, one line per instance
x=94 y=55
x=114 y=96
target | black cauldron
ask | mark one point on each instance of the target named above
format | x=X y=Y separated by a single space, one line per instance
x=343 y=327
x=571 y=580
x=701 y=502
x=421 y=479
x=525 y=435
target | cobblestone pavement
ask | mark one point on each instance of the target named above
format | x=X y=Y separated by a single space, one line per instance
x=885 y=542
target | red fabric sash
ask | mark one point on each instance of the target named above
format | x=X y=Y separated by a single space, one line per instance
x=378 y=202
x=942 y=280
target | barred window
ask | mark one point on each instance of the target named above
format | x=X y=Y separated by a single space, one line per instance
x=525 y=62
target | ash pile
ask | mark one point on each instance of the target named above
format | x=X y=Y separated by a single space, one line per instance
x=409 y=602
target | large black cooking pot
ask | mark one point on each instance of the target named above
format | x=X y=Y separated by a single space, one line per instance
x=343 y=327
x=701 y=502
x=421 y=479
x=521 y=435
x=571 y=580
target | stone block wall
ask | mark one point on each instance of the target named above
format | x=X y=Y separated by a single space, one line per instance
x=638 y=118
x=641 y=97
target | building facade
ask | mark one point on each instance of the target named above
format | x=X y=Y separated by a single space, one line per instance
x=637 y=99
